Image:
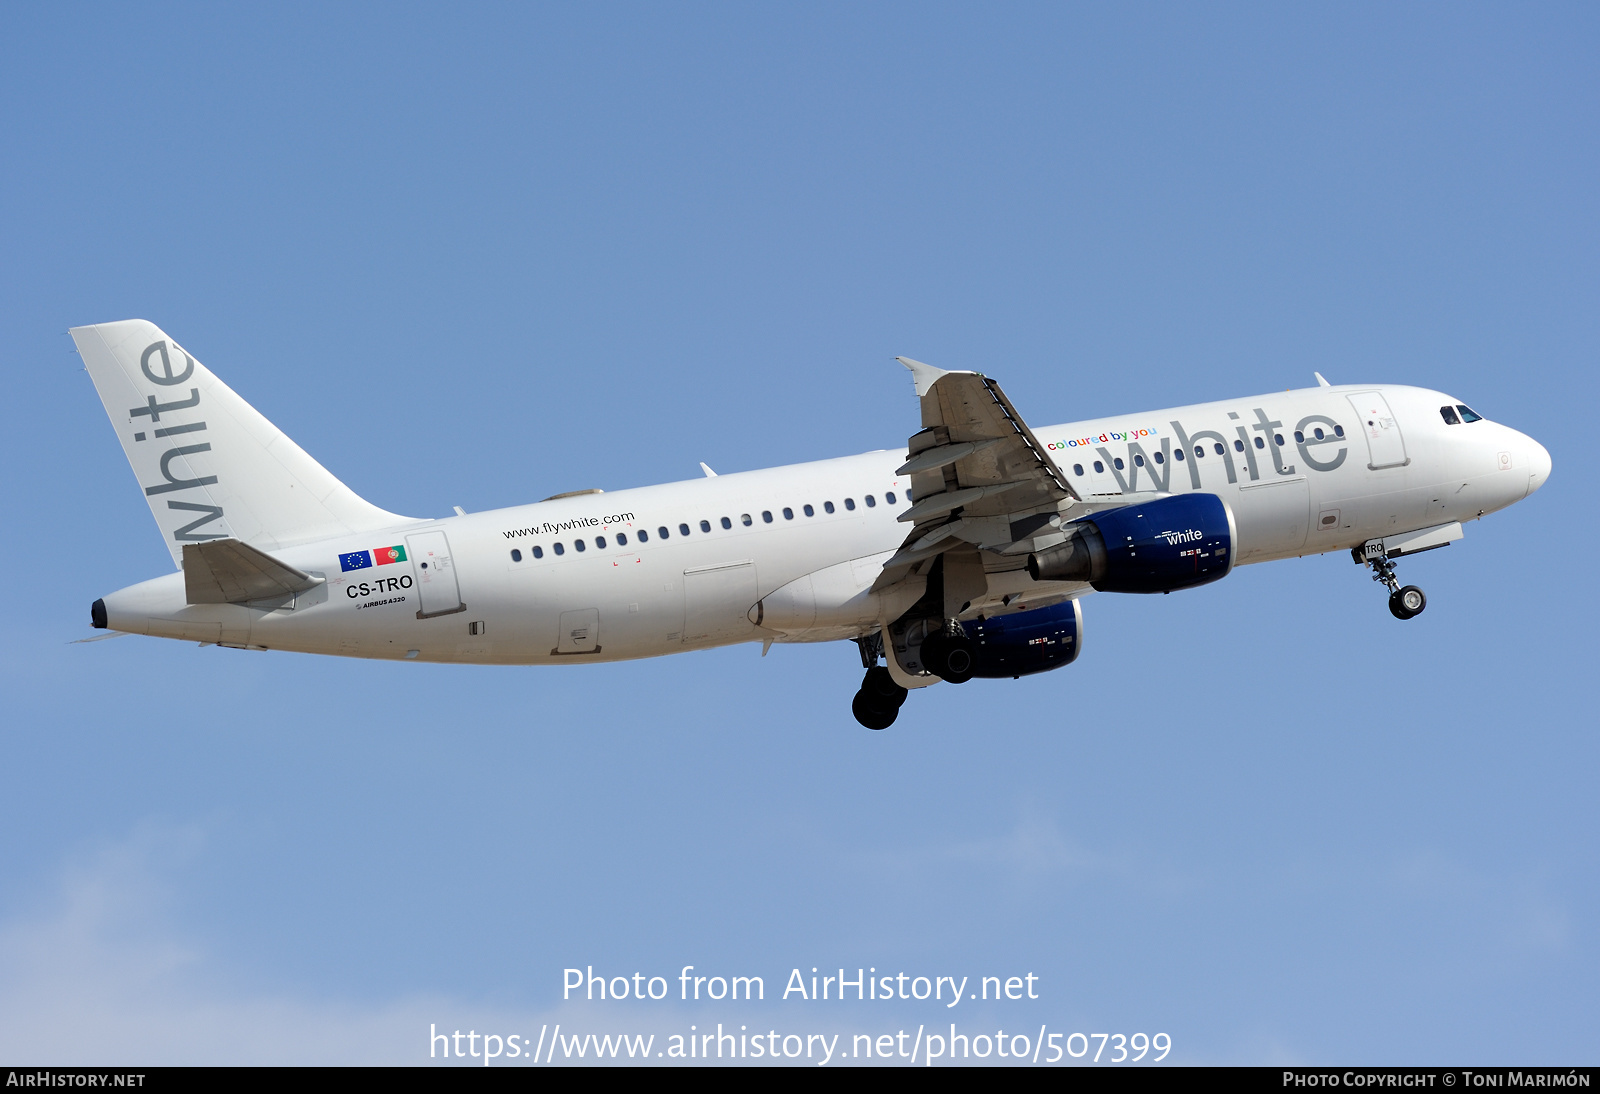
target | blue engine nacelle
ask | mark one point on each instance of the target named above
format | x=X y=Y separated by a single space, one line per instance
x=1172 y=543
x=1026 y=642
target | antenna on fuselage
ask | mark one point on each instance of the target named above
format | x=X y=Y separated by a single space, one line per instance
x=1320 y=381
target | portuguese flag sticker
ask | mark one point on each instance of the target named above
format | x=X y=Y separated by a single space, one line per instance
x=382 y=556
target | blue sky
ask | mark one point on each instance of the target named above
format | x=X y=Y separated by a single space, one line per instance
x=476 y=258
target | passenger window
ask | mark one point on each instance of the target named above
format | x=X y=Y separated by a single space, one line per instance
x=1260 y=443
x=538 y=552
x=1118 y=462
x=1199 y=451
x=827 y=507
x=766 y=516
x=580 y=545
x=516 y=555
x=1077 y=469
x=744 y=519
x=560 y=550
x=1238 y=446
x=872 y=502
x=1467 y=415
x=1317 y=433
x=850 y=504
x=788 y=514
x=1220 y=450
x=1299 y=437
x=622 y=539
x=1160 y=458
x=810 y=512
x=1279 y=438
x=1178 y=455
x=644 y=537
x=683 y=529
x=888 y=496
x=600 y=542
x=1099 y=468
x=1138 y=460
x=1338 y=431
x=705 y=526
x=662 y=532
x=726 y=523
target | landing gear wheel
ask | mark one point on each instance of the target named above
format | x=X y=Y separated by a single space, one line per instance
x=881 y=690
x=871 y=715
x=1404 y=603
x=1407 y=603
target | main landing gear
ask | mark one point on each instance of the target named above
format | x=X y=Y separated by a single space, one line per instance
x=1404 y=603
x=878 y=703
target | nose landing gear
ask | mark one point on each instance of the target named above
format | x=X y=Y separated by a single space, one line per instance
x=1404 y=603
x=1407 y=602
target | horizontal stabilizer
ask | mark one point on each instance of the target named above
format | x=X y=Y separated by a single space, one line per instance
x=226 y=571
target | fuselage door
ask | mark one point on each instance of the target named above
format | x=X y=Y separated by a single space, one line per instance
x=1384 y=443
x=437 y=588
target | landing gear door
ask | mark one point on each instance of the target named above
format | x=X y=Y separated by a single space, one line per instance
x=1385 y=445
x=437 y=588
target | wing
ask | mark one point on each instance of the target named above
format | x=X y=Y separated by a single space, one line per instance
x=980 y=479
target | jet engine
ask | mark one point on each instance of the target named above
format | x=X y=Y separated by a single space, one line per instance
x=1026 y=642
x=1155 y=547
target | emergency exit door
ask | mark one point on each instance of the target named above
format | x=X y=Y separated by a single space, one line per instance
x=438 y=592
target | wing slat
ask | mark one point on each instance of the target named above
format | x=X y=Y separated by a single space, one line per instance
x=980 y=478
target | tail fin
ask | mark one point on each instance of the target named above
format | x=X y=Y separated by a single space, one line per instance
x=210 y=466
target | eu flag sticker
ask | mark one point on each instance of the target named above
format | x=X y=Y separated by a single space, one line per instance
x=355 y=560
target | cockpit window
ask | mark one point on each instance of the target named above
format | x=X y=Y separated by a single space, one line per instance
x=1467 y=414
x=1448 y=413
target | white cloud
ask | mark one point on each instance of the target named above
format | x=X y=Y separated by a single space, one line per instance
x=97 y=974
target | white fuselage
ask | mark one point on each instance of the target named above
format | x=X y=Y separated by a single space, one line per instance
x=487 y=598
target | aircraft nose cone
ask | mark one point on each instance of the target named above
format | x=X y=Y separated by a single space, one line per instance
x=1539 y=465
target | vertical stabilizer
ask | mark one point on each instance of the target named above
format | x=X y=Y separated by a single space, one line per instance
x=210 y=466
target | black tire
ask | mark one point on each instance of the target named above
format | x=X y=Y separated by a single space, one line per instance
x=1407 y=603
x=881 y=688
x=871 y=715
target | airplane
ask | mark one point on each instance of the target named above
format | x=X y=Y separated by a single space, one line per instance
x=966 y=553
